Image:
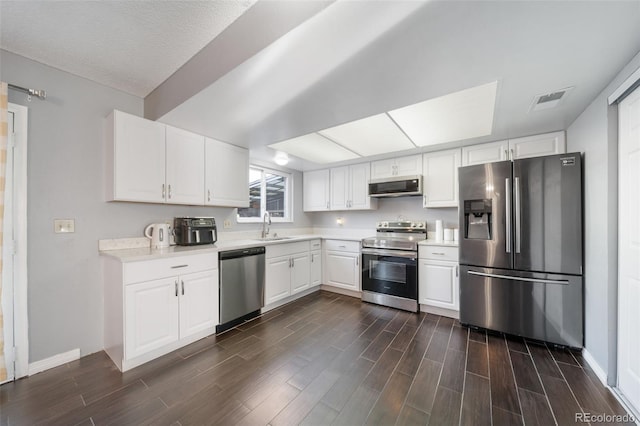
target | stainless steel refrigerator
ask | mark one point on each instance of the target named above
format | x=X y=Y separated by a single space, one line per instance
x=521 y=247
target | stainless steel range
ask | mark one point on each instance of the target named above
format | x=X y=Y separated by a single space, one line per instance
x=390 y=264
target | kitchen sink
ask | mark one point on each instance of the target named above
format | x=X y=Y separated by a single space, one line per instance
x=273 y=238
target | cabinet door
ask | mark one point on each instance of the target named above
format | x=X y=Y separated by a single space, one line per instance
x=226 y=174
x=441 y=178
x=536 y=146
x=185 y=167
x=277 y=279
x=315 y=269
x=198 y=302
x=359 y=175
x=300 y=272
x=438 y=284
x=151 y=316
x=343 y=270
x=485 y=153
x=339 y=188
x=138 y=159
x=383 y=168
x=316 y=191
x=410 y=165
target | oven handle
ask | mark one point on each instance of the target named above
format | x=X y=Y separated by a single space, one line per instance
x=391 y=253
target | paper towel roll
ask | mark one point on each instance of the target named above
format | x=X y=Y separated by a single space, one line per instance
x=448 y=234
x=439 y=230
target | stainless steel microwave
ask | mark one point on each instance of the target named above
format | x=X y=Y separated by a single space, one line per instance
x=397 y=186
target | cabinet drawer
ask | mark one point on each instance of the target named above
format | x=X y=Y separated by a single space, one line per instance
x=315 y=244
x=438 y=253
x=148 y=270
x=286 y=249
x=342 y=245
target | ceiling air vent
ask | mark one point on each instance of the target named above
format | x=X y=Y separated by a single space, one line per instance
x=549 y=100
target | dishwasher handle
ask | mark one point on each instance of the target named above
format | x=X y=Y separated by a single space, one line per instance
x=234 y=254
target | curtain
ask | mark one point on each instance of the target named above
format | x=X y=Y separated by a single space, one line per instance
x=4 y=135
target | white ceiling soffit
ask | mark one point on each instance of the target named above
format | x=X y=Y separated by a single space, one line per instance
x=370 y=136
x=132 y=46
x=234 y=105
x=458 y=116
x=314 y=148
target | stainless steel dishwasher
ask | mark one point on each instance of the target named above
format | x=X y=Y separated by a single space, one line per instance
x=241 y=286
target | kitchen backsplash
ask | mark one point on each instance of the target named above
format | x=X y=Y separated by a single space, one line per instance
x=408 y=208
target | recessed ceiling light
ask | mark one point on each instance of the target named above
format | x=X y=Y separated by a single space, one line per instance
x=315 y=148
x=373 y=135
x=457 y=116
x=281 y=158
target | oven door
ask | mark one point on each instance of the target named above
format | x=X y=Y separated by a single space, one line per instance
x=392 y=272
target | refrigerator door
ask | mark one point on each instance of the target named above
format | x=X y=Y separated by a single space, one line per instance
x=485 y=214
x=538 y=306
x=547 y=200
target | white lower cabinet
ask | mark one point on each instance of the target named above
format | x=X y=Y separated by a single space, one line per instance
x=342 y=264
x=287 y=271
x=438 y=280
x=156 y=306
x=315 y=269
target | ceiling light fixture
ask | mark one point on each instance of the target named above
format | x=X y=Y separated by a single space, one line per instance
x=281 y=158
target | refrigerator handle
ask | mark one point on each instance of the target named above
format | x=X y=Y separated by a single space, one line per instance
x=507 y=212
x=518 y=212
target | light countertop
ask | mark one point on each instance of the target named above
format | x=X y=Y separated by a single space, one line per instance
x=146 y=253
x=431 y=242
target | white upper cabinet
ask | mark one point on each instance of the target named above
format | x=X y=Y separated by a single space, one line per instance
x=485 y=153
x=316 y=191
x=514 y=149
x=185 y=167
x=441 y=178
x=135 y=159
x=350 y=188
x=401 y=166
x=538 y=145
x=339 y=188
x=226 y=174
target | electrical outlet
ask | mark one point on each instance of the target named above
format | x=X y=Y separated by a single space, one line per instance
x=226 y=224
x=62 y=226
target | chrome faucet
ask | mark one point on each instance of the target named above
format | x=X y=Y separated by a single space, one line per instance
x=265 y=228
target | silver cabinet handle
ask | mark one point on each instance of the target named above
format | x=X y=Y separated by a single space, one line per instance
x=182 y=281
x=163 y=191
x=529 y=280
x=327 y=205
x=293 y=262
x=511 y=150
x=179 y=266
x=344 y=247
x=176 y=285
x=438 y=254
x=424 y=200
x=169 y=191
x=456 y=270
x=518 y=212
x=358 y=261
x=208 y=195
x=312 y=256
x=506 y=154
x=507 y=212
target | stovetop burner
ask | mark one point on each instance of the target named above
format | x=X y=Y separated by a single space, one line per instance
x=398 y=235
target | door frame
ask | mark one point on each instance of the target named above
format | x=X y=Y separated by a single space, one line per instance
x=20 y=294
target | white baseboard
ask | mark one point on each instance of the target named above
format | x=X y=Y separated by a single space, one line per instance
x=440 y=311
x=343 y=291
x=54 y=361
x=595 y=366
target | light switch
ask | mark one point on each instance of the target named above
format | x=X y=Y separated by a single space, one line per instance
x=61 y=226
x=227 y=224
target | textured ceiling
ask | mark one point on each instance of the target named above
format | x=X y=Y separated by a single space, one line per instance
x=128 y=45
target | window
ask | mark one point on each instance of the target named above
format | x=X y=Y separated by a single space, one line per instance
x=269 y=191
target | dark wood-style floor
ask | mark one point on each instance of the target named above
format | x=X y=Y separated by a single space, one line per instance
x=324 y=359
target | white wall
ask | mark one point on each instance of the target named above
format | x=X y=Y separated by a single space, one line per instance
x=65 y=174
x=594 y=132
